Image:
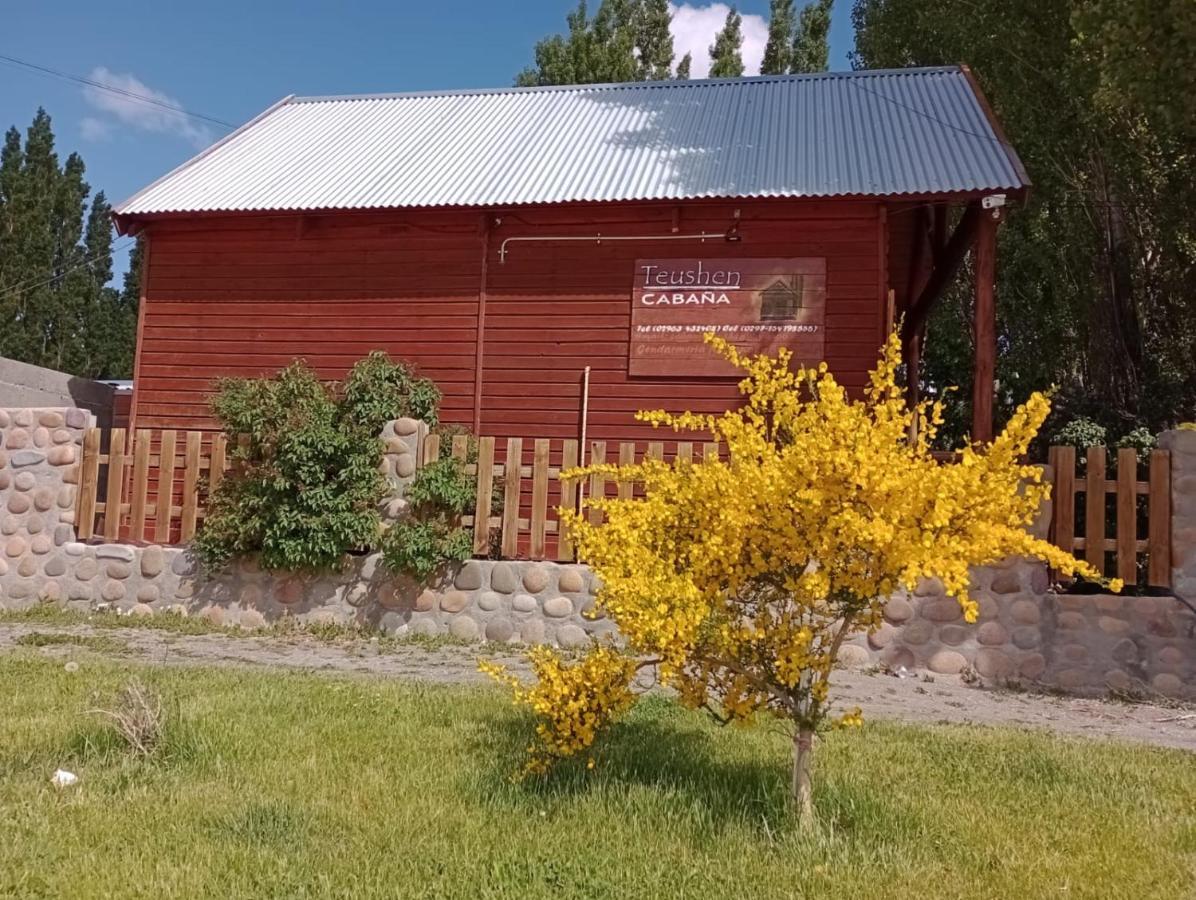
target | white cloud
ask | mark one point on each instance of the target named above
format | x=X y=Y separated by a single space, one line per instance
x=164 y=116
x=694 y=29
x=95 y=129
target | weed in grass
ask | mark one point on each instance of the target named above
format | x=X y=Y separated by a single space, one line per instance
x=96 y=643
x=138 y=716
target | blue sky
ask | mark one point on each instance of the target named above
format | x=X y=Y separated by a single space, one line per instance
x=231 y=60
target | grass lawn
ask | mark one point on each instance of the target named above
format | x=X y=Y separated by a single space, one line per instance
x=296 y=785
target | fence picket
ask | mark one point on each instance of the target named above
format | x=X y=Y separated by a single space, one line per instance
x=1064 y=463
x=626 y=458
x=1127 y=515
x=460 y=447
x=685 y=451
x=89 y=480
x=564 y=544
x=1158 y=541
x=710 y=452
x=431 y=448
x=539 y=497
x=512 y=490
x=116 y=481
x=597 y=481
x=141 y=455
x=165 y=488
x=190 y=510
x=485 y=489
x=217 y=463
x=1094 y=509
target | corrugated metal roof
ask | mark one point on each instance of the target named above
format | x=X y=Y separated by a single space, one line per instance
x=870 y=133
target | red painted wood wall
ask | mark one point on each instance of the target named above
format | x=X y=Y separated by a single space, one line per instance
x=244 y=295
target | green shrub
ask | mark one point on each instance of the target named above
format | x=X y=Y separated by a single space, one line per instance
x=1139 y=439
x=1081 y=432
x=430 y=537
x=305 y=488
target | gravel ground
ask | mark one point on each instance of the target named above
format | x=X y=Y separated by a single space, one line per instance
x=881 y=696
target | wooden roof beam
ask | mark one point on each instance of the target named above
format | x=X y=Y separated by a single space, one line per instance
x=946 y=265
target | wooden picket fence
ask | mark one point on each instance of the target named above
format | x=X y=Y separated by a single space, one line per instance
x=131 y=490
x=1115 y=544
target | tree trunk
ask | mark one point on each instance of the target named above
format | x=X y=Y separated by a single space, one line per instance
x=803 y=756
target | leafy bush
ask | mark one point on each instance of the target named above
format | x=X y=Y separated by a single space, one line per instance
x=1081 y=432
x=305 y=488
x=1139 y=439
x=430 y=539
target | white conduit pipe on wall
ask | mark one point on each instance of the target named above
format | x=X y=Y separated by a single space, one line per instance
x=598 y=239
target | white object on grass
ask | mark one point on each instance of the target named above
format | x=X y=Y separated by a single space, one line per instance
x=63 y=778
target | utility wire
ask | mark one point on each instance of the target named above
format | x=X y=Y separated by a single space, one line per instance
x=28 y=287
x=99 y=85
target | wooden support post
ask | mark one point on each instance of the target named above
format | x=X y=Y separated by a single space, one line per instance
x=985 y=329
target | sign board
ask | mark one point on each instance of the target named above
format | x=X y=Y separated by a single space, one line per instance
x=759 y=305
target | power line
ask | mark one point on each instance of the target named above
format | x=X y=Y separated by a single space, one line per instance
x=27 y=287
x=131 y=95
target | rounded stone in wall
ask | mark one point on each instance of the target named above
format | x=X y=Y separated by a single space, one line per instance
x=18 y=503
x=1118 y=680
x=86 y=569
x=1072 y=602
x=62 y=455
x=79 y=592
x=147 y=593
x=5 y=477
x=536 y=579
x=489 y=601
x=357 y=595
x=1006 y=582
x=50 y=419
x=183 y=564
x=24 y=481
x=1031 y=666
x=61 y=436
x=992 y=634
x=252 y=620
x=185 y=589
x=1074 y=652
x=1167 y=684
x=954 y=634
x=289 y=590
x=35 y=523
x=426 y=601
x=591 y=611
x=1171 y=657
x=41 y=544
x=10 y=525
x=5 y=420
x=500 y=629
x=22 y=417
x=1071 y=679
x=523 y=603
x=1070 y=620
x=51 y=590
x=425 y=627
x=118 y=569
x=1112 y=626
x=3 y=568
x=917 y=632
x=1108 y=603
x=153 y=561
x=532 y=632
x=19 y=590
x=898 y=610
x=76 y=418
x=404 y=465
x=1040 y=579
x=853 y=656
x=570 y=636
x=14 y=547
x=113 y=591
x=929 y=587
x=992 y=663
x=1125 y=652
x=504 y=578
x=384 y=466
x=882 y=637
x=470 y=576
x=17 y=439
x=55 y=566
x=213 y=614
x=558 y=607
x=570 y=581
x=896 y=657
x=1025 y=612
x=454 y=601
x=27 y=566
x=41 y=436
x=947 y=662
x=1026 y=637
x=406 y=426
x=987 y=607
x=464 y=628
x=141 y=610
x=945 y=610
x=397 y=593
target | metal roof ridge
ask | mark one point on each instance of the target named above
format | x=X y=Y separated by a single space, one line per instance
x=663 y=83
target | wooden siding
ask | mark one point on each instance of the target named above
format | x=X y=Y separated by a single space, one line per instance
x=244 y=295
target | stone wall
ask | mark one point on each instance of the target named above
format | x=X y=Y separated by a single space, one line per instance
x=1026 y=633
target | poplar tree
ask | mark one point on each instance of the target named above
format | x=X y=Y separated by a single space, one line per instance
x=683 y=67
x=778 y=52
x=811 y=48
x=654 y=41
x=726 y=57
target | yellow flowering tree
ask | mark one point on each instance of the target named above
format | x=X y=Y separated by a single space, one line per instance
x=739 y=579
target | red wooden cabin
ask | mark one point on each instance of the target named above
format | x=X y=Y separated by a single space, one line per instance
x=505 y=241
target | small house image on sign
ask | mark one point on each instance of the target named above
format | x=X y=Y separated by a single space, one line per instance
x=781 y=300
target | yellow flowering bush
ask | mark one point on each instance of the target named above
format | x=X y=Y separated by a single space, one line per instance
x=740 y=578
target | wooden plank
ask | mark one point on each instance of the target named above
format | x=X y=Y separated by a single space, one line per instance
x=166 y=486
x=626 y=458
x=685 y=451
x=539 y=497
x=217 y=464
x=564 y=549
x=710 y=451
x=485 y=490
x=89 y=479
x=1127 y=515
x=431 y=448
x=460 y=446
x=655 y=450
x=597 y=486
x=1094 y=509
x=1065 y=497
x=1158 y=541
x=511 y=493
x=116 y=482
x=141 y=456
x=191 y=484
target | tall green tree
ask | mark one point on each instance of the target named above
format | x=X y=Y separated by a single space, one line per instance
x=811 y=38
x=654 y=41
x=1094 y=275
x=683 y=67
x=726 y=53
x=56 y=262
x=779 y=50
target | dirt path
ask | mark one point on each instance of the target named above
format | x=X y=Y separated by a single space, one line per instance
x=880 y=696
